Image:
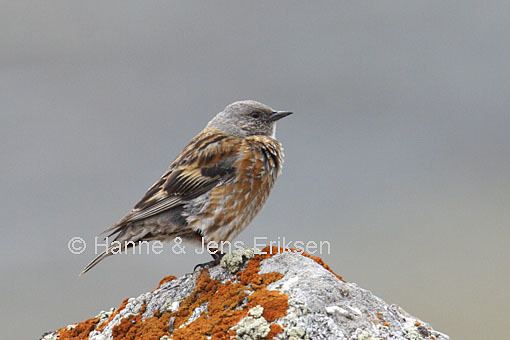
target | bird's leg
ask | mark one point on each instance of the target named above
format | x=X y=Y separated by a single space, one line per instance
x=217 y=256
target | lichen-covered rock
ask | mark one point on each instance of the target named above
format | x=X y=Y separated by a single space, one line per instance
x=278 y=294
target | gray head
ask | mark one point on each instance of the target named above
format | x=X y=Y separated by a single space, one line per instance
x=247 y=118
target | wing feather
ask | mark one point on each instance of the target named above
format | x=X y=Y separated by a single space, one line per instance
x=206 y=162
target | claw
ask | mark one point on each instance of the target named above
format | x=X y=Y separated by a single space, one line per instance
x=216 y=260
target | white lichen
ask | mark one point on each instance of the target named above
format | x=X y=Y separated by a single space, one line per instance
x=296 y=333
x=411 y=333
x=196 y=314
x=256 y=311
x=171 y=306
x=337 y=310
x=363 y=334
x=96 y=336
x=254 y=326
x=233 y=261
x=104 y=315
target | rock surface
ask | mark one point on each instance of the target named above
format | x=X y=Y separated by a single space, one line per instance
x=277 y=295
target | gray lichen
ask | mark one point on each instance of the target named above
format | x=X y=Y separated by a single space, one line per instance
x=320 y=306
x=328 y=308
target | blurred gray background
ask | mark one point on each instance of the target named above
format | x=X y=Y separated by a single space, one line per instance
x=398 y=154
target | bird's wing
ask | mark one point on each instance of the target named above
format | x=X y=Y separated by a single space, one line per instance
x=207 y=161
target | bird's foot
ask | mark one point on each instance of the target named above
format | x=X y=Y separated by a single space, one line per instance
x=216 y=260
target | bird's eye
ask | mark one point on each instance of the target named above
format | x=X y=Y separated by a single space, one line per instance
x=255 y=114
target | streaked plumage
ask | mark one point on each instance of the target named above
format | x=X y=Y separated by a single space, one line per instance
x=216 y=185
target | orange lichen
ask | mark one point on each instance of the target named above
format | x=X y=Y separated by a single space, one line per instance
x=275 y=303
x=134 y=327
x=203 y=292
x=380 y=317
x=275 y=329
x=120 y=330
x=166 y=279
x=151 y=328
x=222 y=309
x=227 y=297
x=225 y=300
x=80 y=331
x=250 y=275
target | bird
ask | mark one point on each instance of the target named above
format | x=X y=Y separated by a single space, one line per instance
x=214 y=187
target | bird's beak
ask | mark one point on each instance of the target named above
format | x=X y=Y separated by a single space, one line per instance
x=277 y=115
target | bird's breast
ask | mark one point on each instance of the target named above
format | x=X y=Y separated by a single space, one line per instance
x=231 y=206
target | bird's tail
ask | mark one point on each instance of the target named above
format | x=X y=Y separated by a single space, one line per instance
x=125 y=238
x=96 y=260
x=114 y=229
x=128 y=236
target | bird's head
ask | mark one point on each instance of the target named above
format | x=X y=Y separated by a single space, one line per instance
x=248 y=118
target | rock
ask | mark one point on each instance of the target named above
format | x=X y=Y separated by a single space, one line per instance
x=283 y=295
